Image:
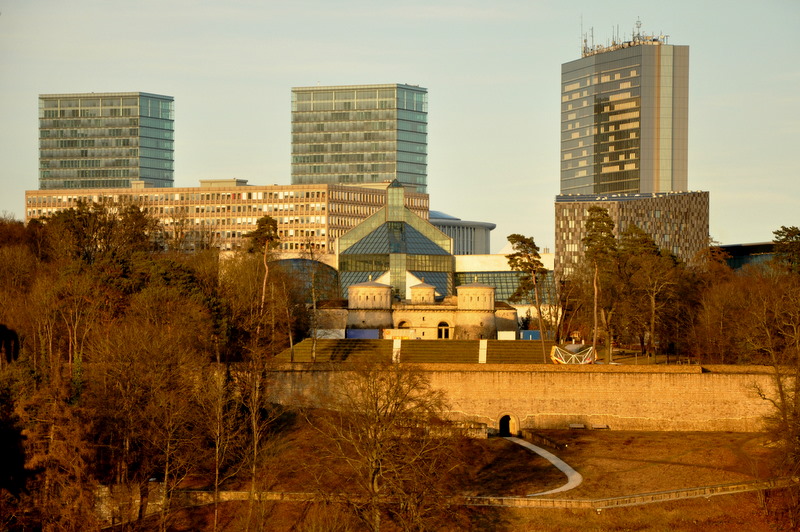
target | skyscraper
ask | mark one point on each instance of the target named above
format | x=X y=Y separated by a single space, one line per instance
x=360 y=134
x=624 y=118
x=105 y=140
x=624 y=137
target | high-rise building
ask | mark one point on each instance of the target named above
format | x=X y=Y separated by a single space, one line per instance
x=624 y=137
x=360 y=134
x=105 y=140
x=624 y=118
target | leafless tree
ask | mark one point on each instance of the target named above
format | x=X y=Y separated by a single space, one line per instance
x=384 y=424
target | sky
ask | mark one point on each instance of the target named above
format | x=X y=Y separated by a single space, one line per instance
x=492 y=70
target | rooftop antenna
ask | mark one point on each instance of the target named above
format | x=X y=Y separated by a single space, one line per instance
x=638 y=29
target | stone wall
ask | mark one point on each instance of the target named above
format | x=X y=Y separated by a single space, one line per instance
x=657 y=398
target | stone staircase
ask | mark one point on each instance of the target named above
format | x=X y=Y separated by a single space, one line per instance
x=422 y=351
x=439 y=351
x=338 y=350
x=517 y=352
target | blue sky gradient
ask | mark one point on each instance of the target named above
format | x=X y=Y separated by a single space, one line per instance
x=492 y=71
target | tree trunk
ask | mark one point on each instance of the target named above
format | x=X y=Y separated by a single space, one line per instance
x=541 y=322
x=650 y=348
x=594 y=310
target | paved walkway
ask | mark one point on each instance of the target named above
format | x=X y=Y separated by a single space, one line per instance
x=574 y=478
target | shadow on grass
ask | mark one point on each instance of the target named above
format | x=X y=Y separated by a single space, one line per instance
x=499 y=467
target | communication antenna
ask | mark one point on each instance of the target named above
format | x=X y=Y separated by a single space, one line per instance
x=638 y=28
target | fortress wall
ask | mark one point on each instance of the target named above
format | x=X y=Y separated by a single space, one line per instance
x=657 y=398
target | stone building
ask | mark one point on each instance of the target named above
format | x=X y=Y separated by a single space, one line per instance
x=371 y=312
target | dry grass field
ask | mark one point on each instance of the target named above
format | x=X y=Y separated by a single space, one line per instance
x=612 y=464
x=626 y=463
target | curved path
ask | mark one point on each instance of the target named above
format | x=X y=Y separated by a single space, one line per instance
x=574 y=478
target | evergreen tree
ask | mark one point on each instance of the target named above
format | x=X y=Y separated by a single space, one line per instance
x=600 y=250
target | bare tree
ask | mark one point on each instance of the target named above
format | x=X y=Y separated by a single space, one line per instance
x=255 y=389
x=385 y=425
x=772 y=329
x=223 y=425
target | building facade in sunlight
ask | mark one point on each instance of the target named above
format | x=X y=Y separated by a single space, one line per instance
x=105 y=140
x=624 y=118
x=359 y=134
x=624 y=147
x=220 y=212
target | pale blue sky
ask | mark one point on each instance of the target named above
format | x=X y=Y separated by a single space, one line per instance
x=492 y=70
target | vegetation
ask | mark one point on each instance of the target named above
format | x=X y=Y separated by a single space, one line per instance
x=385 y=425
x=131 y=364
x=704 y=312
x=526 y=259
x=116 y=363
x=128 y=363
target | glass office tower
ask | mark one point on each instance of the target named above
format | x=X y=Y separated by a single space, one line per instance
x=360 y=134
x=105 y=140
x=624 y=118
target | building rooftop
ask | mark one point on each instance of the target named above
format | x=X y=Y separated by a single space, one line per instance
x=567 y=198
x=637 y=39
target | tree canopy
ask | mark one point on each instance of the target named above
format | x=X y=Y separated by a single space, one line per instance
x=787 y=247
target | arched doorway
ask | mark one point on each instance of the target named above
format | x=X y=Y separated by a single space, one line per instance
x=402 y=325
x=444 y=330
x=505 y=426
x=508 y=425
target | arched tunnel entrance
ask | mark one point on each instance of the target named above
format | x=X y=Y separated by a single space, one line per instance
x=508 y=425
x=505 y=426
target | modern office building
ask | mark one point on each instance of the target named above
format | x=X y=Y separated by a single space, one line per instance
x=624 y=139
x=624 y=118
x=220 y=212
x=677 y=222
x=105 y=140
x=469 y=238
x=360 y=134
x=493 y=270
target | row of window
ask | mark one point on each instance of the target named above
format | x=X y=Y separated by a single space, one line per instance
x=345 y=94
x=90 y=123
x=48 y=156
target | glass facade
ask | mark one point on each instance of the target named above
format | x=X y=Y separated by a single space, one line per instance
x=397 y=241
x=105 y=140
x=360 y=134
x=505 y=284
x=624 y=119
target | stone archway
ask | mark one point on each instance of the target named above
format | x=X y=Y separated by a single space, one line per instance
x=508 y=425
x=443 y=330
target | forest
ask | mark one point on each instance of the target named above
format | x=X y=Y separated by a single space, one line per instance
x=126 y=358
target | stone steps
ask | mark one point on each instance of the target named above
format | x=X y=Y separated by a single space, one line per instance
x=423 y=351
